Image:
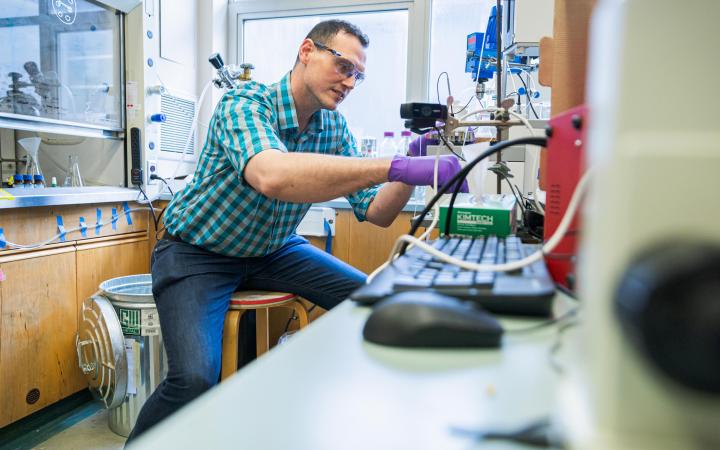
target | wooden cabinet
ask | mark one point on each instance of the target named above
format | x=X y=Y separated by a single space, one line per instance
x=100 y=261
x=38 y=322
x=42 y=293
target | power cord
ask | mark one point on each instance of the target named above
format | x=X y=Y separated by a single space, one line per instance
x=157 y=177
x=437 y=87
x=152 y=209
x=527 y=94
x=450 y=147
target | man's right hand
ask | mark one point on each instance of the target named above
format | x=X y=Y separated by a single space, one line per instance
x=419 y=170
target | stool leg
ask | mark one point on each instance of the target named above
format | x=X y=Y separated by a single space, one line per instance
x=301 y=313
x=230 y=343
x=262 y=330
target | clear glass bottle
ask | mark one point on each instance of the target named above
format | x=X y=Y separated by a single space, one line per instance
x=405 y=138
x=388 y=147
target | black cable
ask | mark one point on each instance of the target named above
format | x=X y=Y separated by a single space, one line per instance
x=155 y=177
x=463 y=173
x=542 y=142
x=527 y=93
x=162 y=228
x=517 y=199
x=152 y=210
x=460 y=157
x=293 y=317
x=437 y=87
x=466 y=105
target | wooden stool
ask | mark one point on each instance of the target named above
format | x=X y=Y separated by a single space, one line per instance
x=261 y=302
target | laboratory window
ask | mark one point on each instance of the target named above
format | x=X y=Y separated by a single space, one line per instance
x=448 y=44
x=373 y=107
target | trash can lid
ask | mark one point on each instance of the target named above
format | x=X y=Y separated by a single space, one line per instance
x=129 y=288
x=101 y=353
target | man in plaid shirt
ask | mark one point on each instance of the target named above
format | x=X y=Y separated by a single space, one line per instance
x=271 y=151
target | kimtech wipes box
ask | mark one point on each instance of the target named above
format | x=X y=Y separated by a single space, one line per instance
x=494 y=214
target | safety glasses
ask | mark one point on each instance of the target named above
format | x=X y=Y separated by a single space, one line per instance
x=344 y=66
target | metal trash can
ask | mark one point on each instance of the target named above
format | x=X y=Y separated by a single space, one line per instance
x=120 y=348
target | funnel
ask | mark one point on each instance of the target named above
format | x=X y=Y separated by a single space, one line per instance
x=31 y=146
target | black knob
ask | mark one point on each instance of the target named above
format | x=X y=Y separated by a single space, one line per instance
x=576 y=121
x=216 y=60
x=549 y=131
x=668 y=303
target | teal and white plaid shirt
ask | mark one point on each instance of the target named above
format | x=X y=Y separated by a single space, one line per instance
x=219 y=210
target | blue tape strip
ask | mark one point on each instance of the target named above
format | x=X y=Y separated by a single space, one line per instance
x=114 y=219
x=126 y=207
x=98 y=222
x=61 y=228
x=3 y=244
x=328 y=238
x=83 y=227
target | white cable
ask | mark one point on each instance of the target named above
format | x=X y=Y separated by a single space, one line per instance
x=192 y=129
x=548 y=247
x=71 y=230
x=428 y=230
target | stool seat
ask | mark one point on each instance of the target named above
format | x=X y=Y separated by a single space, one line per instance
x=259 y=299
x=261 y=302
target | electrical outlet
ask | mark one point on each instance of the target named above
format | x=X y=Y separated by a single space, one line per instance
x=151 y=169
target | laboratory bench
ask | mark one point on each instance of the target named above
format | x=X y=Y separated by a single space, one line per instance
x=56 y=196
x=326 y=388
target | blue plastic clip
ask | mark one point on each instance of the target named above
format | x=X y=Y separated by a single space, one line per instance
x=328 y=239
x=126 y=207
x=61 y=228
x=114 y=219
x=83 y=227
x=98 y=222
x=3 y=244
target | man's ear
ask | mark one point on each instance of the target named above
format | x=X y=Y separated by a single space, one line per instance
x=306 y=47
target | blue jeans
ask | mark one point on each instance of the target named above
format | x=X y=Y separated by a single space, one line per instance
x=192 y=289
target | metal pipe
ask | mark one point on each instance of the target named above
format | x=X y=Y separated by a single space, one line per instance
x=498 y=82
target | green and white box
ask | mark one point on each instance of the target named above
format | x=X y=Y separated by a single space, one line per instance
x=493 y=215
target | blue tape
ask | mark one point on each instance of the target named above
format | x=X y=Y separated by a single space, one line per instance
x=98 y=222
x=3 y=244
x=328 y=239
x=61 y=228
x=83 y=227
x=114 y=219
x=126 y=207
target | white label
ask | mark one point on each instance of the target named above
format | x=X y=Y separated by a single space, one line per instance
x=150 y=323
x=131 y=94
x=130 y=352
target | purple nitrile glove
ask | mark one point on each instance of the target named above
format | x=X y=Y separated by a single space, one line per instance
x=419 y=170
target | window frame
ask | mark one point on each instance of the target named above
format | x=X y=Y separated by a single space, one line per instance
x=416 y=82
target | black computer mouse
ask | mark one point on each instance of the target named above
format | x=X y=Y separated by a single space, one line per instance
x=429 y=319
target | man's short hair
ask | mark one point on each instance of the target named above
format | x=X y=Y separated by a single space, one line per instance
x=326 y=30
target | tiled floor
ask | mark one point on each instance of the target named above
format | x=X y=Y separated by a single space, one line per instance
x=90 y=433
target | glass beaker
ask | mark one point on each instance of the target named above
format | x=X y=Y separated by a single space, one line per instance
x=72 y=176
x=31 y=146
